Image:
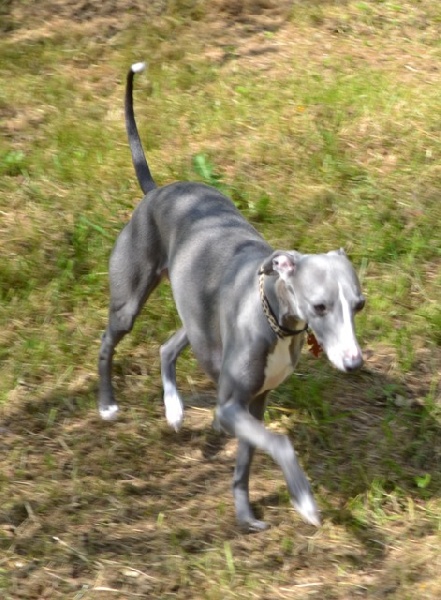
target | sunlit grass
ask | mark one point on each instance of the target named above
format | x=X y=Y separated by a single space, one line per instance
x=330 y=139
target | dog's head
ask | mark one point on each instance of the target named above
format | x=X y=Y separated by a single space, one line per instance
x=322 y=290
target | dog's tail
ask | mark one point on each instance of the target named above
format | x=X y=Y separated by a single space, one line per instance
x=142 y=170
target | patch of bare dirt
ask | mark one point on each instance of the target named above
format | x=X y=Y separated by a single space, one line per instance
x=131 y=508
x=233 y=29
x=111 y=16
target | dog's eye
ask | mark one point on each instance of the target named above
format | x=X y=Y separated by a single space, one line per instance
x=360 y=305
x=319 y=309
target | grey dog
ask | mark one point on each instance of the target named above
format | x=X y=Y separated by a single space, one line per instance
x=244 y=309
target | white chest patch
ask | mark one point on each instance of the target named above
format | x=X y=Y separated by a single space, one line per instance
x=278 y=365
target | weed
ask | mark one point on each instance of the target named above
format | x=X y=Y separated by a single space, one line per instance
x=12 y=163
x=254 y=209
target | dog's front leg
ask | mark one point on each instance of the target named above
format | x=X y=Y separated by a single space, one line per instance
x=235 y=418
x=245 y=452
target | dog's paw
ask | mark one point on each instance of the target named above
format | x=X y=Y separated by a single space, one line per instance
x=109 y=413
x=308 y=510
x=253 y=525
x=174 y=410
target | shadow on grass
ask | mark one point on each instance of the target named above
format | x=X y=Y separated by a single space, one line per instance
x=133 y=488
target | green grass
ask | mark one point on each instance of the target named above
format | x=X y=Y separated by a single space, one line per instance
x=321 y=121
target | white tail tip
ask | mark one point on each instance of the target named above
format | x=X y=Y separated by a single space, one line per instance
x=138 y=67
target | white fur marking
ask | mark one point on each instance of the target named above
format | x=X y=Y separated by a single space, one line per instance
x=174 y=410
x=307 y=509
x=138 y=67
x=278 y=365
x=348 y=340
x=109 y=414
x=346 y=344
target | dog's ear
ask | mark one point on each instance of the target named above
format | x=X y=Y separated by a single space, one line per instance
x=281 y=263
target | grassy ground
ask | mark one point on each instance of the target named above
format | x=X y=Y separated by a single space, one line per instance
x=322 y=121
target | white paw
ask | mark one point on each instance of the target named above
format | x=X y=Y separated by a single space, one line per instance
x=308 y=510
x=174 y=410
x=109 y=413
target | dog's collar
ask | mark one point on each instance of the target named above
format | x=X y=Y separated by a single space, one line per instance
x=279 y=330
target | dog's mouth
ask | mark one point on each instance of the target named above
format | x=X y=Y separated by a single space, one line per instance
x=344 y=356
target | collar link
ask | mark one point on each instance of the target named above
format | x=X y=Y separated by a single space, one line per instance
x=279 y=330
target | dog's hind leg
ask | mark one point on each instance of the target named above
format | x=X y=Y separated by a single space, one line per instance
x=174 y=409
x=132 y=280
x=245 y=453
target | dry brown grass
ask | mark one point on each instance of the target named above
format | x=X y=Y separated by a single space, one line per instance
x=130 y=509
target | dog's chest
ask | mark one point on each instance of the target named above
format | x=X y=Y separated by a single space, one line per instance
x=279 y=365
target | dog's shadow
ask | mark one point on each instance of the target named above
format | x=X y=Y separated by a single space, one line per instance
x=364 y=437
x=369 y=441
x=364 y=440
x=205 y=430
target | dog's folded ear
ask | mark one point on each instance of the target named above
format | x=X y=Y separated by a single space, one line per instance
x=282 y=263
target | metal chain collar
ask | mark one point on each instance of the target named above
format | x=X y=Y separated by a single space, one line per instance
x=279 y=330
